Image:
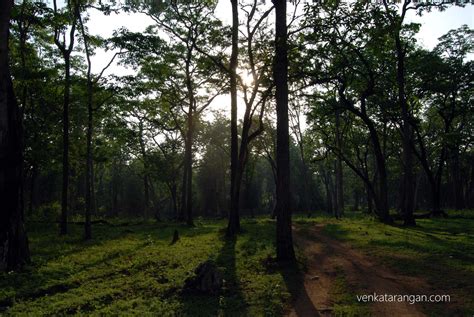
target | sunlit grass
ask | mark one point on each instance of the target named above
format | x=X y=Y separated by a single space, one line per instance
x=134 y=270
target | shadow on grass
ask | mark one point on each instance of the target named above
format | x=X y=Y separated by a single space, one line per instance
x=50 y=273
x=39 y=280
x=294 y=280
x=333 y=230
x=454 y=282
x=230 y=301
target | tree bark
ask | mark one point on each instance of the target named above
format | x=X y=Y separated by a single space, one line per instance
x=173 y=192
x=339 y=176
x=356 y=199
x=182 y=211
x=234 y=221
x=457 y=180
x=32 y=200
x=189 y=168
x=408 y=190
x=327 y=186
x=14 y=251
x=407 y=184
x=380 y=189
x=284 y=239
x=369 y=200
x=114 y=189
x=65 y=162
x=66 y=52
x=89 y=161
x=146 y=187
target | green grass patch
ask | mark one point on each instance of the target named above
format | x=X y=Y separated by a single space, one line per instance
x=133 y=269
x=345 y=303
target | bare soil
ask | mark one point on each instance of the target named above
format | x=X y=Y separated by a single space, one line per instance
x=327 y=257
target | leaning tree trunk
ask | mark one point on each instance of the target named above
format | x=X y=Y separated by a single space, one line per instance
x=284 y=239
x=14 y=250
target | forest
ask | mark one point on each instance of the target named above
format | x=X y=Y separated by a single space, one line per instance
x=236 y=158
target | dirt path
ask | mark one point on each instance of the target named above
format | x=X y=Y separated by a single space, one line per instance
x=326 y=257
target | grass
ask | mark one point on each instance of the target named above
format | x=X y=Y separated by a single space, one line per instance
x=440 y=250
x=345 y=303
x=134 y=270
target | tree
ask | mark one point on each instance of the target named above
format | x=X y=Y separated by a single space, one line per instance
x=284 y=239
x=91 y=81
x=70 y=15
x=351 y=66
x=14 y=251
x=254 y=99
x=396 y=18
x=446 y=104
x=234 y=222
x=188 y=24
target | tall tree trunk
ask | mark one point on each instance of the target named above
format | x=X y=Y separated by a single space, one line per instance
x=173 y=191
x=339 y=188
x=184 y=196
x=381 y=170
x=14 y=250
x=87 y=223
x=93 y=181
x=188 y=165
x=234 y=221
x=382 y=199
x=408 y=179
x=188 y=151
x=284 y=239
x=369 y=200
x=470 y=188
x=356 y=199
x=65 y=162
x=114 y=188
x=335 y=197
x=66 y=53
x=457 y=180
x=380 y=189
x=327 y=186
x=146 y=187
x=89 y=161
x=32 y=200
x=339 y=176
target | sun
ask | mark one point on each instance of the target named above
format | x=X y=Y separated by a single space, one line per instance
x=246 y=76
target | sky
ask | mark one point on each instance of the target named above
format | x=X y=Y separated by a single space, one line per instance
x=433 y=25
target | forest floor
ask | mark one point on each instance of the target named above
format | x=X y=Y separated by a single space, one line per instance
x=330 y=262
x=133 y=269
x=356 y=256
